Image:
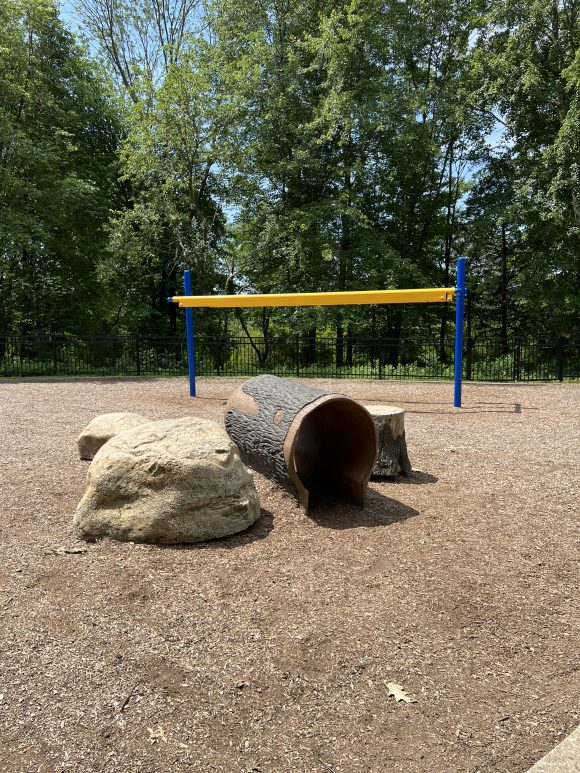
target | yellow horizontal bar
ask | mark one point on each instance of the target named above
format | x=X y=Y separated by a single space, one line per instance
x=354 y=298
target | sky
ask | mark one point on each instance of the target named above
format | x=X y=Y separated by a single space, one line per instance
x=68 y=14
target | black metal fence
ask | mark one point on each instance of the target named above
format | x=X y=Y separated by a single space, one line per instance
x=373 y=358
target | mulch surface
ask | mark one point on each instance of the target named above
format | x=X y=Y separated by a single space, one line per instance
x=271 y=650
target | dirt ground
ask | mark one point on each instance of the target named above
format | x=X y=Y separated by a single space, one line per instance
x=270 y=651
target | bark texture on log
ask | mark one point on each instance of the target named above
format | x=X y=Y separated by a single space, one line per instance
x=258 y=419
x=303 y=438
x=392 y=458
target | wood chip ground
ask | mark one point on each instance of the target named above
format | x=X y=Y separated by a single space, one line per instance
x=271 y=651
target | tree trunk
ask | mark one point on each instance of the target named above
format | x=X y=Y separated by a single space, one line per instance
x=450 y=222
x=308 y=352
x=504 y=291
x=339 y=344
x=395 y=334
x=349 y=346
x=303 y=438
x=392 y=456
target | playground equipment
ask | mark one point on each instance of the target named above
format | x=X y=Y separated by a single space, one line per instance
x=356 y=297
x=303 y=438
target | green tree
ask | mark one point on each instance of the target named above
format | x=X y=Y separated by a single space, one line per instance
x=494 y=245
x=358 y=134
x=530 y=61
x=58 y=140
x=177 y=120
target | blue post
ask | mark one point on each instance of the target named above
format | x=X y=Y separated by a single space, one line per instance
x=459 y=312
x=190 y=334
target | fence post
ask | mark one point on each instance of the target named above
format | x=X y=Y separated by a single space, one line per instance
x=561 y=357
x=137 y=355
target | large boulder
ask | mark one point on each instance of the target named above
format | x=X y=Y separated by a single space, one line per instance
x=103 y=428
x=179 y=480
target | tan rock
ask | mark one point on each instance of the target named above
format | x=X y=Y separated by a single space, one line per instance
x=103 y=428
x=179 y=480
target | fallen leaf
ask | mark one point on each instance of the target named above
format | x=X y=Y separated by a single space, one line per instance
x=156 y=735
x=68 y=551
x=399 y=693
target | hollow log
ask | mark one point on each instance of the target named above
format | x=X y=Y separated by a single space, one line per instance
x=392 y=458
x=305 y=439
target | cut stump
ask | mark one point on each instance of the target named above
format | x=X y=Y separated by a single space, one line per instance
x=392 y=458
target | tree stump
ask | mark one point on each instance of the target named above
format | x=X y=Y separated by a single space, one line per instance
x=392 y=458
x=303 y=438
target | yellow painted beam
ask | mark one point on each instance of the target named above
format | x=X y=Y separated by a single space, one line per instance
x=354 y=298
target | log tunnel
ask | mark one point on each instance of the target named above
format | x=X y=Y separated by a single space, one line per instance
x=305 y=439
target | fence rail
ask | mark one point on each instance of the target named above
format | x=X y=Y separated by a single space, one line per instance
x=372 y=358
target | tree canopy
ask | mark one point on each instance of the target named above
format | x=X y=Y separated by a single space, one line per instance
x=59 y=137
x=289 y=146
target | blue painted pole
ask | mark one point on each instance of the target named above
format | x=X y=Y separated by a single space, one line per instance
x=190 y=334
x=459 y=314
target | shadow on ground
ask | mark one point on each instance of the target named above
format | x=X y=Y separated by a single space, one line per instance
x=259 y=530
x=333 y=513
x=415 y=478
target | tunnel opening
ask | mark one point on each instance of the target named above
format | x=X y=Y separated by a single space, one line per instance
x=333 y=450
x=303 y=438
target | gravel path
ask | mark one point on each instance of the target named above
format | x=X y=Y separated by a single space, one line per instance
x=270 y=651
